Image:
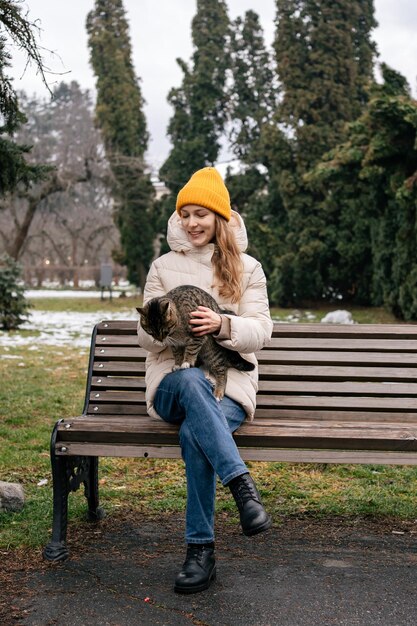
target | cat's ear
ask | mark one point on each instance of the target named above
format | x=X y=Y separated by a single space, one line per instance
x=167 y=310
x=140 y=310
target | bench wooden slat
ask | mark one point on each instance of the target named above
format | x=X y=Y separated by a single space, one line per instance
x=129 y=397
x=119 y=367
x=337 y=372
x=344 y=344
x=268 y=417
x=290 y=386
x=376 y=331
x=279 y=372
x=94 y=408
x=282 y=401
x=338 y=388
x=72 y=427
x=306 y=357
x=248 y=454
x=377 y=403
x=118 y=382
x=359 y=359
x=282 y=434
x=269 y=414
x=295 y=343
x=117 y=327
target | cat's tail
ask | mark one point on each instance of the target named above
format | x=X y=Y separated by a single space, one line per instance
x=238 y=362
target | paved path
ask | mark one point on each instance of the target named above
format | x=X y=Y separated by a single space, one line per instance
x=304 y=573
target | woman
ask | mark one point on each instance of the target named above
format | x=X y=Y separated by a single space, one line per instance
x=207 y=242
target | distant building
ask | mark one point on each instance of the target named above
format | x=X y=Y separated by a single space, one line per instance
x=160 y=188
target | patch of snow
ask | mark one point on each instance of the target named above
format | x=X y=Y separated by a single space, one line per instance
x=60 y=328
x=338 y=317
x=30 y=294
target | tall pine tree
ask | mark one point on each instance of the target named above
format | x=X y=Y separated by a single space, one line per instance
x=253 y=92
x=253 y=96
x=325 y=58
x=200 y=102
x=120 y=116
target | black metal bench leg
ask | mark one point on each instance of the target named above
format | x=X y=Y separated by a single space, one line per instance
x=56 y=549
x=95 y=512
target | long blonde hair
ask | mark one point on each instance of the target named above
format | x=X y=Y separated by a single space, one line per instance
x=227 y=261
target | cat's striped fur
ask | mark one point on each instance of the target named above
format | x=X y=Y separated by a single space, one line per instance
x=167 y=319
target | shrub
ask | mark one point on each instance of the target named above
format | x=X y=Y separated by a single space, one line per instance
x=13 y=305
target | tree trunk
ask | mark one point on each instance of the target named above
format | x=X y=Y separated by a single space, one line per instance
x=15 y=248
x=76 y=277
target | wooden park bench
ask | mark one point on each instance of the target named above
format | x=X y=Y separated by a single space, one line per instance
x=327 y=393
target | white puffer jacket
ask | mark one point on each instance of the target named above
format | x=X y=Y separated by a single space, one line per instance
x=250 y=327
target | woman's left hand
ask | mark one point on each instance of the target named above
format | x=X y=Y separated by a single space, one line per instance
x=204 y=321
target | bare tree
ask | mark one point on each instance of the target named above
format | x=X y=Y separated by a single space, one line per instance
x=67 y=219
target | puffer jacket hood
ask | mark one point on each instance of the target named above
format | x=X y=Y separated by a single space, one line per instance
x=178 y=241
x=250 y=324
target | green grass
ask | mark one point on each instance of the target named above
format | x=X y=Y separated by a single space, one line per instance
x=360 y=315
x=86 y=305
x=39 y=387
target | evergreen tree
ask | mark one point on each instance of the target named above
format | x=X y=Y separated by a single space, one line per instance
x=370 y=190
x=14 y=168
x=253 y=92
x=13 y=305
x=200 y=102
x=120 y=116
x=253 y=96
x=324 y=57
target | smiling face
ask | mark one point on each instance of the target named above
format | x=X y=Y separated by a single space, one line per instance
x=199 y=224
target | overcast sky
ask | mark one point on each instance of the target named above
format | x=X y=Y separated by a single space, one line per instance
x=160 y=32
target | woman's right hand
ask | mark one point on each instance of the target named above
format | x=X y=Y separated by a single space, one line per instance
x=205 y=321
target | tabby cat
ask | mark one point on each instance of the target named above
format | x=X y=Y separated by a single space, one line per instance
x=167 y=319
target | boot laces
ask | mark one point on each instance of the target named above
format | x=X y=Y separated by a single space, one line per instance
x=195 y=552
x=246 y=491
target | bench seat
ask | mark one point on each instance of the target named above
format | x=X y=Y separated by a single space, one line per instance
x=327 y=393
x=267 y=433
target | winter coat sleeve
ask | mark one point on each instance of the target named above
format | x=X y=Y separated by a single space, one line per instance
x=153 y=289
x=251 y=329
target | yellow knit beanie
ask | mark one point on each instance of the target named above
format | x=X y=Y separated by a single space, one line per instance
x=206 y=188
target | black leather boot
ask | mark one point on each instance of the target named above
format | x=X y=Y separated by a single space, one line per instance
x=253 y=517
x=198 y=571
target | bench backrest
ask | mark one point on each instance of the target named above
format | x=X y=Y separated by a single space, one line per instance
x=309 y=371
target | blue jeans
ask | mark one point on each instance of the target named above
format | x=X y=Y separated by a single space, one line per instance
x=186 y=397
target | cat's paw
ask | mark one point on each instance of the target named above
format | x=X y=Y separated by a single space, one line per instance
x=185 y=365
x=176 y=367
